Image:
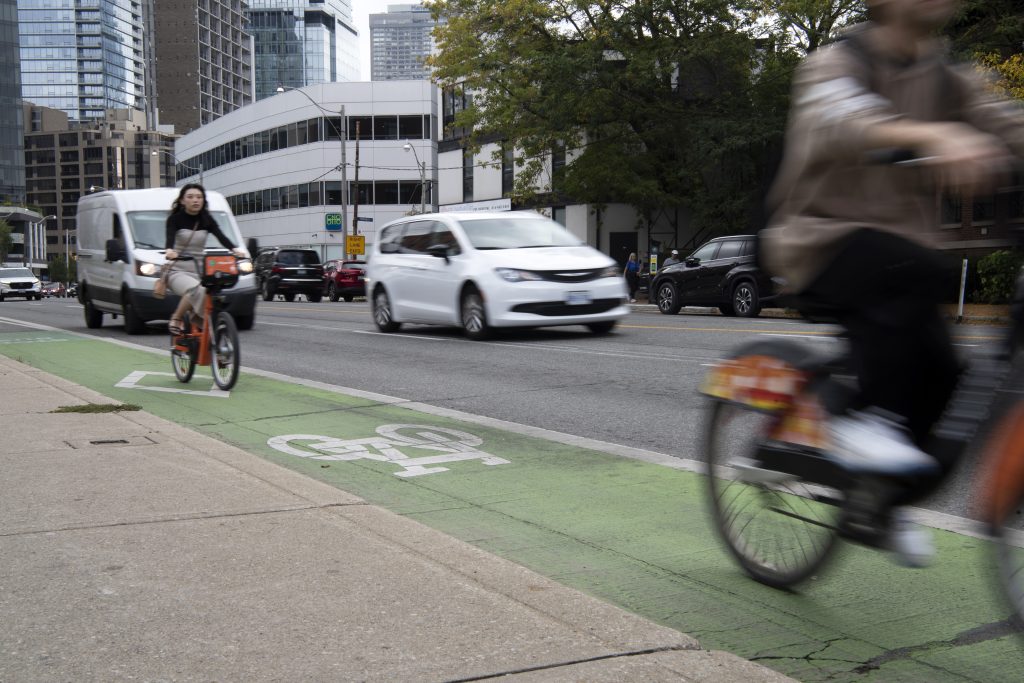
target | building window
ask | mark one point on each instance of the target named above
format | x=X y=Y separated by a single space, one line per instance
x=508 y=175
x=467 y=175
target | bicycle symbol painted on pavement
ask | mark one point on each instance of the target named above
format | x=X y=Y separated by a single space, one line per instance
x=390 y=444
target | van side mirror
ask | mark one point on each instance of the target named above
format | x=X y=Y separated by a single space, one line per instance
x=115 y=251
x=438 y=250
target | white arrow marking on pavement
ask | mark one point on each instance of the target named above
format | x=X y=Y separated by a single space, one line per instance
x=132 y=380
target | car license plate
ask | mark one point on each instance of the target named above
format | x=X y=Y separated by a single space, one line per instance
x=577 y=298
x=301 y=271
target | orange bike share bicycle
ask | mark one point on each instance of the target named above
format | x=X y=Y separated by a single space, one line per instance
x=213 y=339
x=780 y=502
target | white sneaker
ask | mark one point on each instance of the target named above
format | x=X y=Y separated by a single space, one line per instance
x=911 y=543
x=868 y=443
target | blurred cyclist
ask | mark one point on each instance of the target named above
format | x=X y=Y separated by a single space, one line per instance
x=853 y=236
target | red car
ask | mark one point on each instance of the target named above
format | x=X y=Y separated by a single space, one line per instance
x=344 y=279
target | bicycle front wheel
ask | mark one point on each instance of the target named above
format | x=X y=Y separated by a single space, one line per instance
x=779 y=527
x=183 y=357
x=224 y=356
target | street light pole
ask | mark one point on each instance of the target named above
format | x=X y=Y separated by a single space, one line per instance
x=423 y=176
x=343 y=135
x=156 y=152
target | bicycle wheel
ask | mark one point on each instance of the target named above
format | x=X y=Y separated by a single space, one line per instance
x=1002 y=495
x=183 y=357
x=779 y=527
x=224 y=354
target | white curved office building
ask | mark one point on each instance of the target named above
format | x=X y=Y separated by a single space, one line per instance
x=279 y=161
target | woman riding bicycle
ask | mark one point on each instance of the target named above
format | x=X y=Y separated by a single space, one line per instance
x=852 y=237
x=187 y=228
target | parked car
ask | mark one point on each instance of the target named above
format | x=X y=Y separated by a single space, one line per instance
x=722 y=272
x=482 y=271
x=53 y=289
x=19 y=282
x=289 y=271
x=344 y=279
x=72 y=290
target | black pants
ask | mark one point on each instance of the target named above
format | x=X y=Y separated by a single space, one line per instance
x=886 y=291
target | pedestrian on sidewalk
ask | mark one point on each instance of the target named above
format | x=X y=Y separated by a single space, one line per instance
x=632 y=274
x=671 y=260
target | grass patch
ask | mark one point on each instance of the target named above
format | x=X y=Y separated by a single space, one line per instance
x=97 y=408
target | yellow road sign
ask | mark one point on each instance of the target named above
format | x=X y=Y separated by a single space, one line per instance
x=355 y=244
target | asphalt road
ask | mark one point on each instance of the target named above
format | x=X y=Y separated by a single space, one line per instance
x=635 y=387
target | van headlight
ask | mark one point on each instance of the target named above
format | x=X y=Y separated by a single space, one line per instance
x=146 y=268
x=245 y=266
x=611 y=271
x=516 y=275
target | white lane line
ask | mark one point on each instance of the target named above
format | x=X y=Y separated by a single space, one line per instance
x=801 y=336
x=931 y=518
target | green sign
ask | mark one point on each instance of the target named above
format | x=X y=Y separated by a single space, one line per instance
x=332 y=221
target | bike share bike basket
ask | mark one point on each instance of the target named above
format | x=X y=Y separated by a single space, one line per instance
x=221 y=271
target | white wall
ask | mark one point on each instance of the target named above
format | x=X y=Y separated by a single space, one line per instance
x=377 y=160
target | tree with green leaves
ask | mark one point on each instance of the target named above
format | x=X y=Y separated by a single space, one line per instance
x=806 y=25
x=660 y=104
x=6 y=242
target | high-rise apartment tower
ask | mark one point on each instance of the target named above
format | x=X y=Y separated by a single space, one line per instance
x=203 y=60
x=400 y=42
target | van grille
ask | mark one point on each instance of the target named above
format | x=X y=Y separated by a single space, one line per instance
x=570 y=275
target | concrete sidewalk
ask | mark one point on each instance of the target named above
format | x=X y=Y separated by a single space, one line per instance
x=132 y=548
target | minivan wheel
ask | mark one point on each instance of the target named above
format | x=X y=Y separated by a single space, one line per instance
x=474 y=316
x=667 y=298
x=745 y=301
x=382 y=312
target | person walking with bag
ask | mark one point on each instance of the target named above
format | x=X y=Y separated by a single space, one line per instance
x=188 y=227
x=632 y=275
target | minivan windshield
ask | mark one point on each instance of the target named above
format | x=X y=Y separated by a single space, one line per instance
x=16 y=272
x=149 y=229
x=516 y=232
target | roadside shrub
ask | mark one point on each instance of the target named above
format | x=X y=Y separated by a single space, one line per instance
x=997 y=274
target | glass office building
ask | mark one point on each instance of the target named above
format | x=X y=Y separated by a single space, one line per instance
x=12 y=124
x=82 y=57
x=302 y=42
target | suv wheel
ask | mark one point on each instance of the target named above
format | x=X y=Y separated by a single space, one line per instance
x=332 y=292
x=267 y=291
x=667 y=298
x=382 y=312
x=745 y=301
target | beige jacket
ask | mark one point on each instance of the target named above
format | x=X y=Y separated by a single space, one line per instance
x=827 y=187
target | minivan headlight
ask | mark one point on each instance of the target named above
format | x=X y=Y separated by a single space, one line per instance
x=611 y=271
x=516 y=275
x=245 y=266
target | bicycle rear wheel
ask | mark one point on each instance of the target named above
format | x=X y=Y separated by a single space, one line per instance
x=183 y=357
x=779 y=527
x=1001 y=494
x=224 y=354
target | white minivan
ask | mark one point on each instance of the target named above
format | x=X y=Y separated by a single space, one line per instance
x=119 y=231
x=482 y=270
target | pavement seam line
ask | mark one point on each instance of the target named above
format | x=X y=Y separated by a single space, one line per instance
x=574 y=662
x=178 y=518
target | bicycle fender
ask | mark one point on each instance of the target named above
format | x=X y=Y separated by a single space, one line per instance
x=1001 y=481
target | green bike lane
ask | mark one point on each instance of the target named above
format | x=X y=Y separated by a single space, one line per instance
x=631 y=532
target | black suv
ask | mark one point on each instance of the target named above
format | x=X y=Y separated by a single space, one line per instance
x=721 y=273
x=287 y=271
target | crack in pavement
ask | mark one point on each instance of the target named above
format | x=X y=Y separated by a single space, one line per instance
x=978 y=634
x=571 y=662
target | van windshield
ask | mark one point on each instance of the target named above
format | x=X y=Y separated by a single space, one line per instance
x=149 y=229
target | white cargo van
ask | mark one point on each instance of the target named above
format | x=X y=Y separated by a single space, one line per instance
x=120 y=230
